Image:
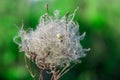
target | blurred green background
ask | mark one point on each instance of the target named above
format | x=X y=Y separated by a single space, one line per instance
x=100 y=19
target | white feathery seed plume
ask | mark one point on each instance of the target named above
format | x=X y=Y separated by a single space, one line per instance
x=54 y=44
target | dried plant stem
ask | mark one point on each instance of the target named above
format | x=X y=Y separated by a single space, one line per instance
x=47 y=8
x=41 y=77
x=63 y=70
x=55 y=76
x=66 y=71
x=29 y=69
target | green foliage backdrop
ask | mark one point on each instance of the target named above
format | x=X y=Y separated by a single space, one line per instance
x=100 y=19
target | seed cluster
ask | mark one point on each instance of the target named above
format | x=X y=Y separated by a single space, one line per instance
x=54 y=44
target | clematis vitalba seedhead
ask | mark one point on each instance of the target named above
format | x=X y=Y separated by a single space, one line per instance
x=53 y=45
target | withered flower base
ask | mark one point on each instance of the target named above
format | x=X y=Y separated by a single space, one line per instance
x=53 y=45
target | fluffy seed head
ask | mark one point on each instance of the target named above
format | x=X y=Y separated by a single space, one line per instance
x=55 y=41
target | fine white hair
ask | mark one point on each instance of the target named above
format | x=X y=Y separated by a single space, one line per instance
x=56 y=40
